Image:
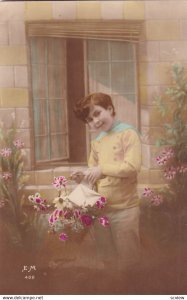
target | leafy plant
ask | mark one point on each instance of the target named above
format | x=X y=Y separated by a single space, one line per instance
x=18 y=222
x=171 y=200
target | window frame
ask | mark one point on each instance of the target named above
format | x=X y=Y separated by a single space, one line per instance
x=120 y=30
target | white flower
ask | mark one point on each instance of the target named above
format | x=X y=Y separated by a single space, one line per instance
x=62 y=202
x=59 y=202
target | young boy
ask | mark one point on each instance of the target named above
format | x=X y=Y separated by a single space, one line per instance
x=114 y=162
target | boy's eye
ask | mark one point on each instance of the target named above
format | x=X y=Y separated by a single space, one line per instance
x=88 y=120
x=96 y=113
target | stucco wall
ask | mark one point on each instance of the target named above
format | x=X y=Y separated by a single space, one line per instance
x=165 y=41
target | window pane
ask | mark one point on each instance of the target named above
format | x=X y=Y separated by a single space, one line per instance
x=122 y=77
x=38 y=50
x=39 y=81
x=57 y=115
x=99 y=78
x=121 y=51
x=56 y=81
x=40 y=117
x=58 y=146
x=42 y=148
x=98 y=50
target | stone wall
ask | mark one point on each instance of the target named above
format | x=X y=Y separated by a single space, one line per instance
x=164 y=41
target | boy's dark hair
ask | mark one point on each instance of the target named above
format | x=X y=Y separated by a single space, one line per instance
x=82 y=107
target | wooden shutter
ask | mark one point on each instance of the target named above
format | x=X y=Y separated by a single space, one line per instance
x=126 y=30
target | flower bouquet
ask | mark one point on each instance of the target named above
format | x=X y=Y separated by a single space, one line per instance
x=71 y=215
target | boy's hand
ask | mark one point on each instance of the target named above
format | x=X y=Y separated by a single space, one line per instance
x=77 y=176
x=93 y=174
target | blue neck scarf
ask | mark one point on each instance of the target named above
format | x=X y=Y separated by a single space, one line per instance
x=118 y=126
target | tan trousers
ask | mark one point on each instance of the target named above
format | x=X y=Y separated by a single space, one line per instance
x=119 y=245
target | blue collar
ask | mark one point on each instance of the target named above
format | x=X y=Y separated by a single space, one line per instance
x=118 y=126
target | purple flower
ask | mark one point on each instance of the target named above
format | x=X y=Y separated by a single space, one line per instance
x=18 y=144
x=63 y=236
x=67 y=214
x=39 y=203
x=101 y=202
x=2 y=203
x=60 y=213
x=170 y=172
x=77 y=213
x=6 y=152
x=42 y=207
x=56 y=212
x=182 y=169
x=147 y=192
x=156 y=200
x=59 y=182
x=168 y=152
x=51 y=220
x=165 y=155
x=38 y=200
x=104 y=221
x=161 y=160
x=7 y=175
x=86 y=220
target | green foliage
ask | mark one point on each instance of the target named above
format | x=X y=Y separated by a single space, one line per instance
x=173 y=162
x=175 y=134
x=176 y=130
x=16 y=218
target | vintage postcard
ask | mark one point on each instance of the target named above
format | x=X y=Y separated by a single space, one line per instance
x=93 y=148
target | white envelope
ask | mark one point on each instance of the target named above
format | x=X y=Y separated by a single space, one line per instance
x=82 y=195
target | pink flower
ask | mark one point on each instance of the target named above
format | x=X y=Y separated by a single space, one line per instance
x=38 y=200
x=87 y=220
x=101 y=202
x=182 y=169
x=67 y=214
x=39 y=203
x=156 y=200
x=63 y=236
x=18 y=144
x=6 y=152
x=42 y=207
x=60 y=213
x=56 y=214
x=165 y=155
x=77 y=213
x=51 y=219
x=147 y=192
x=104 y=221
x=59 y=182
x=168 y=153
x=2 y=203
x=170 y=173
x=7 y=175
x=161 y=160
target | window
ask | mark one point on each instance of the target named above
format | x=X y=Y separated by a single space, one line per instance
x=64 y=69
x=49 y=99
x=112 y=69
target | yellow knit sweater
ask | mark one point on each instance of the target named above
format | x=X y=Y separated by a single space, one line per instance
x=118 y=153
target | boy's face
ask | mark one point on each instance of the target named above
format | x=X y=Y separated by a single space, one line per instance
x=100 y=119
